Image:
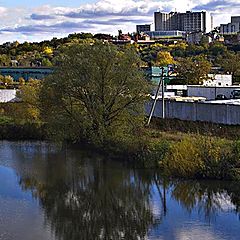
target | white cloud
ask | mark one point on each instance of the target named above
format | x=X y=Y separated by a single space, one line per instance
x=103 y=16
x=3 y=10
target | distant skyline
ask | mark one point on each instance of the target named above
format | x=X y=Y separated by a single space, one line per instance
x=25 y=20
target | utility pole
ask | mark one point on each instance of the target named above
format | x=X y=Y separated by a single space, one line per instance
x=161 y=83
x=163 y=99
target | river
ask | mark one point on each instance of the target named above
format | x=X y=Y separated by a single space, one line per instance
x=51 y=194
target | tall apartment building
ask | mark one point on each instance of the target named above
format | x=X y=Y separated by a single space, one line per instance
x=143 y=28
x=231 y=28
x=187 y=22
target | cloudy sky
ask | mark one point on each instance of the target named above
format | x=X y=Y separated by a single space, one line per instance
x=33 y=20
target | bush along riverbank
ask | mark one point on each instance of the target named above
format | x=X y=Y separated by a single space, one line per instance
x=194 y=156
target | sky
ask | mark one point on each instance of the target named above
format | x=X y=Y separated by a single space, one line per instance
x=31 y=20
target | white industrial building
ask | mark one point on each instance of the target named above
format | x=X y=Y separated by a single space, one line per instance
x=219 y=80
x=208 y=92
x=215 y=85
x=8 y=95
x=211 y=92
x=165 y=34
x=196 y=37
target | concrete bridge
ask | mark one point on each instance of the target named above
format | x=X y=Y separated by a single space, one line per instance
x=26 y=72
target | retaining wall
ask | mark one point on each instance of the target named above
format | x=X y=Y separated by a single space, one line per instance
x=205 y=112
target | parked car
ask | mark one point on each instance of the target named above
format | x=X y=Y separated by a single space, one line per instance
x=221 y=97
x=235 y=94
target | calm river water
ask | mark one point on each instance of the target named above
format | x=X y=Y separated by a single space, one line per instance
x=46 y=193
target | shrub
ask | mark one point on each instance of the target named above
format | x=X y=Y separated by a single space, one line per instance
x=5 y=120
x=204 y=157
x=153 y=154
x=183 y=159
x=216 y=156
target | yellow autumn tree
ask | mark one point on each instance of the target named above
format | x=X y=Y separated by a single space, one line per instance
x=48 y=51
x=21 y=81
x=29 y=99
x=8 y=80
x=164 y=58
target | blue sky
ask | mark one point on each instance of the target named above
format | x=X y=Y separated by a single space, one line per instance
x=36 y=20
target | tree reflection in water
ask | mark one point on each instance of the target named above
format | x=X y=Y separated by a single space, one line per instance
x=95 y=200
x=86 y=197
x=209 y=198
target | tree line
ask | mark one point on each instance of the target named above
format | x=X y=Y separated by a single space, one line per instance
x=191 y=56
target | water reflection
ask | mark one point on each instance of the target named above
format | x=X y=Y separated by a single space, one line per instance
x=85 y=196
x=86 y=199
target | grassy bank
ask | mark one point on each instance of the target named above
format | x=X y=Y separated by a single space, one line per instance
x=202 y=128
x=190 y=153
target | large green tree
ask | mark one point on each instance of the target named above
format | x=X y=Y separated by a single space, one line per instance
x=230 y=62
x=193 y=70
x=97 y=94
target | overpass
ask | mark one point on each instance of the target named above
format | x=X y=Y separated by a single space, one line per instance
x=26 y=72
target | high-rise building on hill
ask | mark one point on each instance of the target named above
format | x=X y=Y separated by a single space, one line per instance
x=188 y=22
x=231 y=28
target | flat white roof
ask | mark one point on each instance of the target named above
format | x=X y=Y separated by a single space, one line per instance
x=230 y=101
x=202 y=86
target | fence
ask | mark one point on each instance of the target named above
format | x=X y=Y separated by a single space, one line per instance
x=206 y=112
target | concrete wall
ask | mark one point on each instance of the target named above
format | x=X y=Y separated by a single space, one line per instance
x=215 y=113
x=7 y=95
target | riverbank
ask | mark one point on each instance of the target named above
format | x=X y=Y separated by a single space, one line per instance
x=192 y=156
x=231 y=132
x=23 y=132
x=178 y=149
